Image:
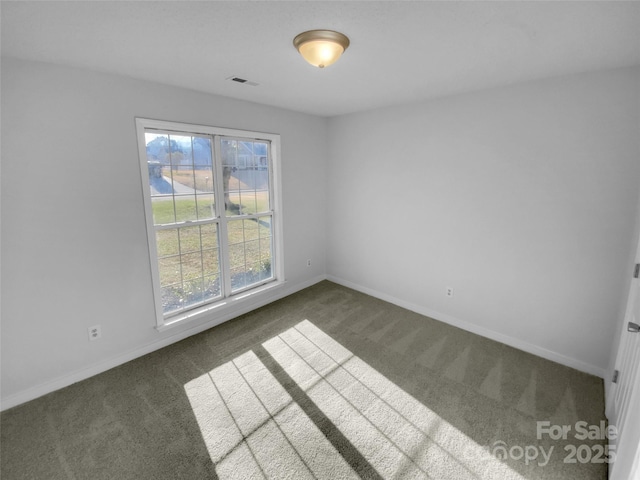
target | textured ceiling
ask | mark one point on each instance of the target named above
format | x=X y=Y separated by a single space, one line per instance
x=400 y=51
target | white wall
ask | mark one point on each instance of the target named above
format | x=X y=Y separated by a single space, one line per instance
x=523 y=199
x=74 y=246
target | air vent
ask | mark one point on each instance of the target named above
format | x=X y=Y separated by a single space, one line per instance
x=242 y=80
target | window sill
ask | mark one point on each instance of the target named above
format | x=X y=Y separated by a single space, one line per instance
x=233 y=306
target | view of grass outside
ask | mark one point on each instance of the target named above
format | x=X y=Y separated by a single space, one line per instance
x=189 y=256
x=202 y=257
x=189 y=265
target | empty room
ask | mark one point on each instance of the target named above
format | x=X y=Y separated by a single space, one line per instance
x=320 y=239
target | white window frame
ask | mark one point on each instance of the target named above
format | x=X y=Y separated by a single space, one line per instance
x=229 y=300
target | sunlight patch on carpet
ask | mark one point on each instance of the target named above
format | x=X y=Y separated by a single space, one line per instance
x=254 y=427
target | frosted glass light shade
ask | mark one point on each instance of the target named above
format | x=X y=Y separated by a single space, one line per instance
x=321 y=48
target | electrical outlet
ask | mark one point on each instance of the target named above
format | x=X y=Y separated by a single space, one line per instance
x=449 y=291
x=309 y=263
x=95 y=333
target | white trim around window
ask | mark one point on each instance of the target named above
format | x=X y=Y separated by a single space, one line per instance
x=212 y=200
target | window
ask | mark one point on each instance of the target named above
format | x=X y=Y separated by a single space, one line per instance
x=210 y=206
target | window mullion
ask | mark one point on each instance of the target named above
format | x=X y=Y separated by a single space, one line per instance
x=223 y=237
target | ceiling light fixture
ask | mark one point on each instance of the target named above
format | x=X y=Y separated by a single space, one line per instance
x=321 y=48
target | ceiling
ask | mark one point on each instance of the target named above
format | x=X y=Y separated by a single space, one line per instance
x=400 y=51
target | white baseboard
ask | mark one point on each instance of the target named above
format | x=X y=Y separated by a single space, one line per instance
x=484 y=332
x=96 y=368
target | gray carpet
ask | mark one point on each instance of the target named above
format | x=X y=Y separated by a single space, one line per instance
x=326 y=383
